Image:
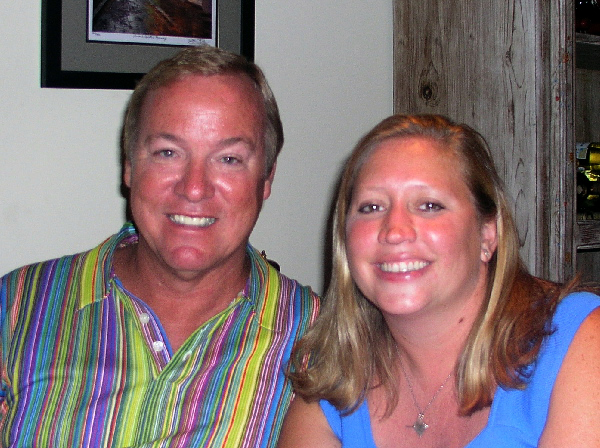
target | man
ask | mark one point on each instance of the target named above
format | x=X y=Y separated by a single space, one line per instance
x=175 y=331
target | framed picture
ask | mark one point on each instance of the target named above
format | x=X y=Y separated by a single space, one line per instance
x=111 y=44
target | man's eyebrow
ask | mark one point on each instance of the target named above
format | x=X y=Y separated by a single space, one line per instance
x=225 y=143
x=235 y=140
x=161 y=136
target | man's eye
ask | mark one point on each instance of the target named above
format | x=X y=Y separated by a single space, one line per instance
x=165 y=153
x=230 y=160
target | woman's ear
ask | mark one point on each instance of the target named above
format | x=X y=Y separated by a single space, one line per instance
x=489 y=240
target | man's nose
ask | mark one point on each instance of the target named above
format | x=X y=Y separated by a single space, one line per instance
x=196 y=181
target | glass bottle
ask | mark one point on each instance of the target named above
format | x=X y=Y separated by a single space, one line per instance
x=588 y=180
x=588 y=155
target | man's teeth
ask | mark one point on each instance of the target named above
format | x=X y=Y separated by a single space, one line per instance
x=192 y=221
x=403 y=266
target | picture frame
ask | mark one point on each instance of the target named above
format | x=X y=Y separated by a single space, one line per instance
x=70 y=60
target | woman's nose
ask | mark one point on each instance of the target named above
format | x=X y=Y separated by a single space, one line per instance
x=397 y=227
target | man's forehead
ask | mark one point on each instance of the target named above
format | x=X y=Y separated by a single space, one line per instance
x=228 y=90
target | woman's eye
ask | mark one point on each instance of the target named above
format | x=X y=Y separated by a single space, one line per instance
x=431 y=207
x=369 y=208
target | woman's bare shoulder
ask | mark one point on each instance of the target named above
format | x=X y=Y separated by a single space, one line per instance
x=305 y=425
x=575 y=401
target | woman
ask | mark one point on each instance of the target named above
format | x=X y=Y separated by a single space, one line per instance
x=433 y=334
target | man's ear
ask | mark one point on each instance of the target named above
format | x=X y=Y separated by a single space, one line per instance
x=269 y=182
x=127 y=173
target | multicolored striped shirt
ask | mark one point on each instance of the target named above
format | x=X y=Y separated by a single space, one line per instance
x=85 y=364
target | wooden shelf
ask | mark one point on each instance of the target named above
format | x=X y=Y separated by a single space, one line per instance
x=587 y=57
x=587 y=51
x=588 y=234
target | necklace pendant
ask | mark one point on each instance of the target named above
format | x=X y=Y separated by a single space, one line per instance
x=420 y=426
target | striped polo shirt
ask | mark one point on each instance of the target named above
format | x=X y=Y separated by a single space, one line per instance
x=86 y=364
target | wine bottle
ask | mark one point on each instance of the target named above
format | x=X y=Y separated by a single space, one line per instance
x=588 y=154
x=588 y=180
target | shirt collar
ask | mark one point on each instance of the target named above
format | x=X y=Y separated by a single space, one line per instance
x=97 y=270
x=96 y=266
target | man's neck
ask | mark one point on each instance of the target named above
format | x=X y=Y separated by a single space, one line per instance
x=181 y=304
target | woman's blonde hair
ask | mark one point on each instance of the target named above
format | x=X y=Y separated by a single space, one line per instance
x=350 y=348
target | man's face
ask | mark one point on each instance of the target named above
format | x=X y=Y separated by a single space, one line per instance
x=197 y=174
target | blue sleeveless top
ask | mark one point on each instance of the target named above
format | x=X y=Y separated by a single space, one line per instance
x=517 y=417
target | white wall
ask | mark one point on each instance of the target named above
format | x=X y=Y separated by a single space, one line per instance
x=329 y=64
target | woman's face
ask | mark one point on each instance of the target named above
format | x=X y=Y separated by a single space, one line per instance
x=414 y=239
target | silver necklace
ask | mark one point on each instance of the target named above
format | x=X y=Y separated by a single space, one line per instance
x=419 y=425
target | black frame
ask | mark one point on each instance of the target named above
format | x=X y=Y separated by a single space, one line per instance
x=235 y=32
